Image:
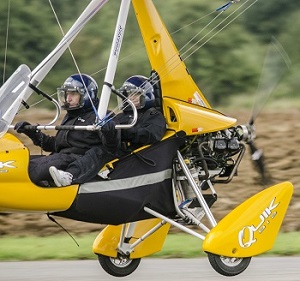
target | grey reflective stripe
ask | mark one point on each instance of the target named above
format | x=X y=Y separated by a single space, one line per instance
x=121 y=184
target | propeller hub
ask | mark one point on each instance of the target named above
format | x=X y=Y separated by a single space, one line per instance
x=246 y=132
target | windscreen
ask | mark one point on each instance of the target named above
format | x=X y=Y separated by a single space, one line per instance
x=11 y=94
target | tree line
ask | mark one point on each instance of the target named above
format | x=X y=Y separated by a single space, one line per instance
x=226 y=66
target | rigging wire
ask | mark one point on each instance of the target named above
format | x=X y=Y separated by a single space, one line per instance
x=193 y=22
x=195 y=36
x=222 y=28
x=124 y=101
x=6 y=42
x=172 y=60
x=220 y=11
x=186 y=51
x=63 y=33
x=142 y=47
x=75 y=63
x=73 y=58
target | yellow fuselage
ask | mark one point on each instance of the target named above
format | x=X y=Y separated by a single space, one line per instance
x=17 y=192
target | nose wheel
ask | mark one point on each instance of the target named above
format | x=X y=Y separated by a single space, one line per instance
x=120 y=266
x=228 y=266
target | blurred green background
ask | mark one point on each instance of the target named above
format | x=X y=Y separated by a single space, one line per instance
x=62 y=247
x=227 y=68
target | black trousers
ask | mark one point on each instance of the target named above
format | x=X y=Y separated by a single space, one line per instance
x=39 y=166
x=87 y=167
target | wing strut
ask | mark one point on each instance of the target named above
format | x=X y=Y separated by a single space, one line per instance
x=113 y=58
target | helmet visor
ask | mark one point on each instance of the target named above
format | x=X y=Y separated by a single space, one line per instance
x=70 y=98
x=134 y=94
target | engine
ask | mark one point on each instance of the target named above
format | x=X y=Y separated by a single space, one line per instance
x=214 y=156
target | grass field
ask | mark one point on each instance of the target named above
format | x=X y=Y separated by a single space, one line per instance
x=62 y=247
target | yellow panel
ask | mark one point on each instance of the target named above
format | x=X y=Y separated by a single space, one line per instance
x=194 y=119
x=107 y=241
x=164 y=57
x=17 y=192
x=153 y=243
x=252 y=227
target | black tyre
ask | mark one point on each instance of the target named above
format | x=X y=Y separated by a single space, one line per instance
x=228 y=266
x=119 y=266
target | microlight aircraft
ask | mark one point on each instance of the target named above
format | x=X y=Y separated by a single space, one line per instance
x=171 y=183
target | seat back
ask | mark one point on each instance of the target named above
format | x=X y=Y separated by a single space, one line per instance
x=155 y=81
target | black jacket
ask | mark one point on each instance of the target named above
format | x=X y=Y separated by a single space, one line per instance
x=72 y=141
x=149 y=128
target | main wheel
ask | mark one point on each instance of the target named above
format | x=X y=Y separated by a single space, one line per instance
x=228 y=266
x=120 y=266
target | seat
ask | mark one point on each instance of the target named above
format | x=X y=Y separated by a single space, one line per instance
x=155 y=82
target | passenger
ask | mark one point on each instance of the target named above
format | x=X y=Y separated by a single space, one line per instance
x=149 y=128
x=78 y=96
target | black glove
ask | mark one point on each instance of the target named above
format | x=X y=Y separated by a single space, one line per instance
x=19 y=127
x=109 y=130
x=129 y=134
x=35 y=135
x=111 y=137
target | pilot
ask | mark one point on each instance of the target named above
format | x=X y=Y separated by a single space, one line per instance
x=149 y=128
x=78 y=96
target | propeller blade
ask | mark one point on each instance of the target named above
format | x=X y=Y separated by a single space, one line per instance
x=257 y=157
x=276 y=63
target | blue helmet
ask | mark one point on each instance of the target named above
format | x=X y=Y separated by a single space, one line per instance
x=139 y=86
x=81 y=84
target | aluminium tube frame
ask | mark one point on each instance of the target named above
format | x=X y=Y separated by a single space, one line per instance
x=196 y=190
x=113 y=57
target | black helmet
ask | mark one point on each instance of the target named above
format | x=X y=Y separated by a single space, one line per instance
x=139 y=85
x=82 y=84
